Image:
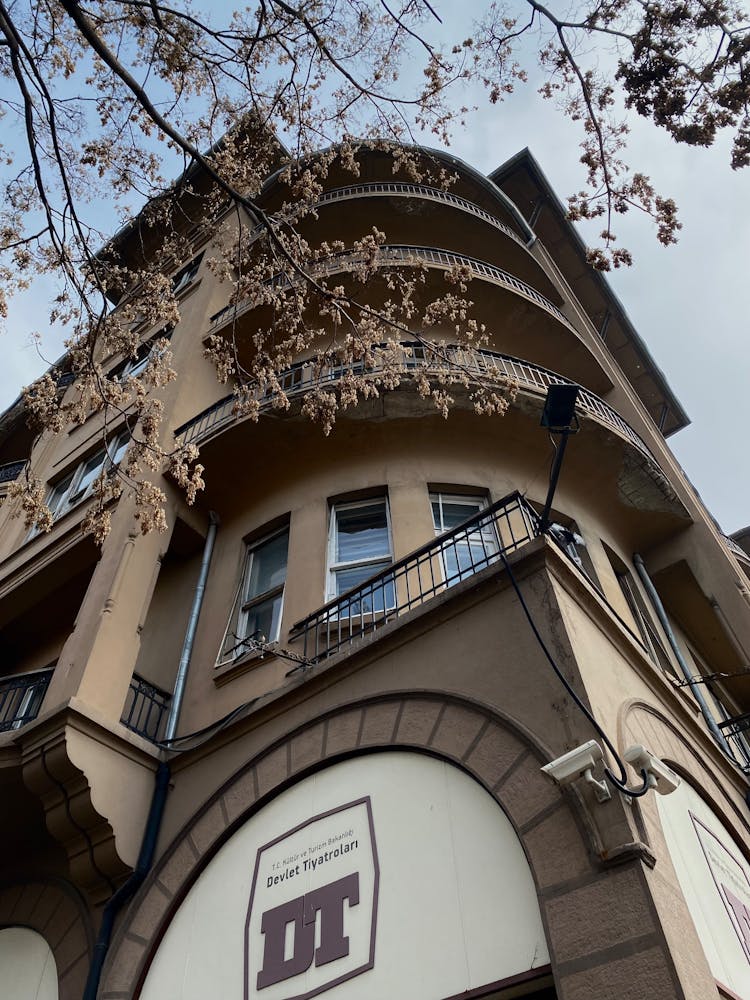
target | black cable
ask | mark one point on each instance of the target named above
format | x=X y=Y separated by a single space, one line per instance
x=619 y=783
x=207 y=731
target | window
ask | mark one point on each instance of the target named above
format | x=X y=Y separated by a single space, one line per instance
x=260 y=599
x=640 y=613
x=77 y=485
x=134 y=366
x=359 y=545
x=186 y=276
x=21 y=697
x=468 y=551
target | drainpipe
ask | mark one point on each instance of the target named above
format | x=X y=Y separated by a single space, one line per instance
x=129 y=888
x=684 y=667
x=187 y=645
x=159 y=797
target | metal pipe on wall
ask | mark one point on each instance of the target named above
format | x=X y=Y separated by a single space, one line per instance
x=187 y=645
x=683 y=665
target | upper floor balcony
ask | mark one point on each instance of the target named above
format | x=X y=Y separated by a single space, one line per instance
x=481 y=365
x=405 y=256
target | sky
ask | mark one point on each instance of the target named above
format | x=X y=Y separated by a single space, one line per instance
x=688 y=302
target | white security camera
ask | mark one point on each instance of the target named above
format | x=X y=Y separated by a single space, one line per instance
x=579 y=763
x=658 y=774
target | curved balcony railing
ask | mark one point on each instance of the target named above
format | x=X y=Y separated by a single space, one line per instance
x=736 y=549
x=483 y=365
x=21 y=697
x=386 y=189
x=11 y=471
x=393 y=254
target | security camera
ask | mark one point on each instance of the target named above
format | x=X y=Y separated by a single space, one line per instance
x=658 y=774
x=579 y=763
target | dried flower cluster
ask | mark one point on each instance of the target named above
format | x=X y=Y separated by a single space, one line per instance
x=111 y=96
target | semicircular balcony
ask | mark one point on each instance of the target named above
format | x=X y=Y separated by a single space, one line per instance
x=413 y=214
x=527 y=381
x=519 y=318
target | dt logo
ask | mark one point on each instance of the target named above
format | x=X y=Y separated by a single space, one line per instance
x=313 y=905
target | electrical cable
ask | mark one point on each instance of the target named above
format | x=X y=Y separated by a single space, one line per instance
x=207 y=731
x=619 y=783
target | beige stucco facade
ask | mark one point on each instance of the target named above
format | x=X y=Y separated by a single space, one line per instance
x=92 y=640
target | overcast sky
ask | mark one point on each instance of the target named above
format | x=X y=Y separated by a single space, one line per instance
x=687 y=302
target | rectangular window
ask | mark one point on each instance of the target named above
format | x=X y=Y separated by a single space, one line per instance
x=647 y=631
x=77 y=485
x=256 y=616
x=186 y=275
x=468 y=551
x=134 y=366
x=359 y=546
x=21 y=697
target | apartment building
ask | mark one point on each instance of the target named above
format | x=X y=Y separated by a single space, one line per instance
x=293 y=746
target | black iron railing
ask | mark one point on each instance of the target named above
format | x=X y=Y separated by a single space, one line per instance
x=146 y=709
x=21 y=698
x=483 y=365
x=736 y=732
x=11 y=471
x=430 y=570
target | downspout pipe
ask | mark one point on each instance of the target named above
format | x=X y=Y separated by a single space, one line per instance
x=161 y=785
x=129 y=888
x=187 y=645
x=683 y=665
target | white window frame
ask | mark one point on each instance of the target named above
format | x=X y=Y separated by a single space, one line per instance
x=334 y=567
x=186 y=275
x=67 y=492
x=134 y=366
x=486 y=535
x=236 y=642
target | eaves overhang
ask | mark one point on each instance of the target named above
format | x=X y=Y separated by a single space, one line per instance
x=523 y=180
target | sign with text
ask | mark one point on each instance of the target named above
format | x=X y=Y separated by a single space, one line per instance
x=714 y=877
x=730 y=879
x=384 y=875
x=312 y=914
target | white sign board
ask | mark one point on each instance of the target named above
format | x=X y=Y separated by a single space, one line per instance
x=715 y=880
x=313 y=906
x=387 y=875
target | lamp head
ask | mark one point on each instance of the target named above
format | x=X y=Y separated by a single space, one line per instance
x=559 y=407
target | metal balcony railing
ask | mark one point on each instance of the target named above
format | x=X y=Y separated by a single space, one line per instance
x=736 y=732
x=412 y=581
x=399 y=189
x=307 y=375
x=736 y=549
x=11 y=471
x=146 y=709
x=394 y=254
x=21 y=697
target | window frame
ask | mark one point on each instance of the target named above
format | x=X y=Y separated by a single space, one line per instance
x=481 y=501
x=185 y=277
x=68 y=488
x=241 y=609
x=133 y=366
x=646 y=631
x=333 y=567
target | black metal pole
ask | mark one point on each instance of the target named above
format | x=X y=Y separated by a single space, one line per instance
x=554 y=476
